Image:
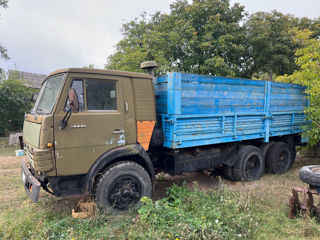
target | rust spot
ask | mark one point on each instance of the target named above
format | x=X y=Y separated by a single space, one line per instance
x=307 y=206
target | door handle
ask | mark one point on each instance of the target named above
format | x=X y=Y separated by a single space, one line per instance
x=118 y=131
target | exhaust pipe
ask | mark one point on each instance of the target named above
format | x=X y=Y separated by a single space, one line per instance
x=149 y=66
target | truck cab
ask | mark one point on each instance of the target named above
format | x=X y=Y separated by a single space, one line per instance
x=83 y=121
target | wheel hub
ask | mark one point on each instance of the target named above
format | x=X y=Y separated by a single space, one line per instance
x=283 y=159
x=126 y=191
x=252 y=166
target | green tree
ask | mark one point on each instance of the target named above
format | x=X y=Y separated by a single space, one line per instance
x=308 y=59
x=212 y=37
x=14 y=102
x=203 y=37
x=272 y=44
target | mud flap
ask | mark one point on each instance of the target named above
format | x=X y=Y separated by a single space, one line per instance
x=31 y=184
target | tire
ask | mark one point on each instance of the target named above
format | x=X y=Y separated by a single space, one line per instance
x=308 y=175
x=291 y=142
x=122 y=186
x=250 y=165
x=228 y=172
x=279 y=158
x=265 y=148
x=293 y=155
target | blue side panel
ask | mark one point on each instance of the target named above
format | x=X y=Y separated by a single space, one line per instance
x=206 y=95
x=161 y=94
x=287 y=105
x=174 y=93
x=188 y=131
x=199 y=110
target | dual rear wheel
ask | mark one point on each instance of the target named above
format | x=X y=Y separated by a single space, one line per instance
x=275 y=157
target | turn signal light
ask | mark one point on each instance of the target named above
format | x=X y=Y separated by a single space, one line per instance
x=49 y=145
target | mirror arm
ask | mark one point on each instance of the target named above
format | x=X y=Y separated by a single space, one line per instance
x=64 y=121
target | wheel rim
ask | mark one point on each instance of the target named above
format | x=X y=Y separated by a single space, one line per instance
x=124 y=192
x=283 y=160
x=252 y=166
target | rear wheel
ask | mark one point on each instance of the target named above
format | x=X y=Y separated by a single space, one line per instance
x=250 y=165
x=279 y=158
x=122 y=187
x=293 y=155
x=291 y=143
x=265 y=149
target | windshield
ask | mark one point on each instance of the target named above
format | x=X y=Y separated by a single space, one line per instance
x=48 y=95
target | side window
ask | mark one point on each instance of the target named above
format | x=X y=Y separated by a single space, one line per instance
x=101 y=95
x=77 y=84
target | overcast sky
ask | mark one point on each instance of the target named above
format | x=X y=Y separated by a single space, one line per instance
x=44 y=35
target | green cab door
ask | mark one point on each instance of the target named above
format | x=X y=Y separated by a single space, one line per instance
x=94 y=128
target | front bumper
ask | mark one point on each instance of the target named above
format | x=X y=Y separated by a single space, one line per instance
x=31 y=184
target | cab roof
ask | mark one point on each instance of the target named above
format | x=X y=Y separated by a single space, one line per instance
x=102 y=71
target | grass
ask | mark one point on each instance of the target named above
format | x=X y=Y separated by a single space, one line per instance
x=255 y=210
x=221 y=216
x=5 y=149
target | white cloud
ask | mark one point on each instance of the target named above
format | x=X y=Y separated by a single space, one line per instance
x=42 y=35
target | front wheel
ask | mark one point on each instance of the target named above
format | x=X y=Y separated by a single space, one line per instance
x=122 y=186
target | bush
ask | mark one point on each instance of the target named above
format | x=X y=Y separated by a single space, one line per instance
x=14 y=102
x=308 y=59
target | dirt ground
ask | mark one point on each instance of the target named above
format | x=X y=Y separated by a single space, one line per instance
x=12 y=191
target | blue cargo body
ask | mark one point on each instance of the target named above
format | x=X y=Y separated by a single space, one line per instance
x=198 y=110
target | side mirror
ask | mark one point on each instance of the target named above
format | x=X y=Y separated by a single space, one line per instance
x=73 y=100
x=34 y=97
x=74 y=107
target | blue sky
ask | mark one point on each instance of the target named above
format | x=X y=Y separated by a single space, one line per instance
x=42 y=36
